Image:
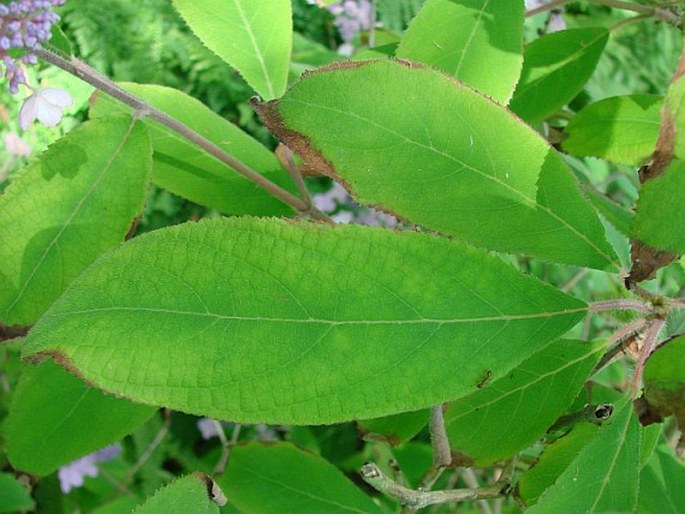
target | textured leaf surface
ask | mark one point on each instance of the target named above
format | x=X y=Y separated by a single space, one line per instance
x=14 y=496
x=189 y=494
x=268 y=478
x=621 y=129
x=555 y=69
x=661 y=210
x=65 y=209
x=422 y=145
x=56 y=418
x=458 y=36
x=604 y=475
x=227 y=318
x=253 y=36
x=186 y=170
x=512 y=413
x=395 y=429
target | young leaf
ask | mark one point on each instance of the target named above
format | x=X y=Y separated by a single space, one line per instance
x=186 y=170
x=226 y=318
x=555 y=69
x=56 y=418
x=253 y=36
x=604 y=475
x=621 y=129
x=196 y=493
x=263 y=479
x=458 y=36
x=422 y=145
x=512 y=413
x=661 y=209
x=395 y=429
x=65 y=209
x=14 y=496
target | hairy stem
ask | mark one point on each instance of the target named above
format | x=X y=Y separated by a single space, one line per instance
x=100 y=81
x=653 y=11
x=442 y=455
x=619 y=305
x=648 y=346
x=547 y=7
x=619 y=336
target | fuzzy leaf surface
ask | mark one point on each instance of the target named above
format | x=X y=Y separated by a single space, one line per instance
x=186 y=170
x=422 y=145
x=253 y=36
x=267 y=478
x=458 y=36
x=63 y=210
x=226 y=318
x=187 y=494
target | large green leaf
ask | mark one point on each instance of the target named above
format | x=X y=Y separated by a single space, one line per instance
x=661 y=210
x=14 y=496
x=269 y=321
x=458 y=36
x=422 y=145
x=192 y=494
x=662 y=484
x=184 y=169
x=65 y=209
x=253 y=36
x=268 y=478
x=555 y=69
x=621 y=129
x=604 y=475
x=512 y=413
x=56 y=418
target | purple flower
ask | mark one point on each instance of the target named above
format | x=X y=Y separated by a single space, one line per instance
x=73 y=474
x=352 y=16
x=44 y=105
x=24 y=24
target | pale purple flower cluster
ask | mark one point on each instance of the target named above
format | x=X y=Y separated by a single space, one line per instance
x=73 y=474
x=556 y=21
x=351 y=212
x=23 y=25
x=352 y=16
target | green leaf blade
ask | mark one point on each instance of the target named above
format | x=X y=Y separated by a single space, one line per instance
x=51 y=406
x=266 y=478
x=421 y=145
x=14 y=496
x=191 y=494
x=195 y=340
x=555 y=69
x=255 y=37
x=512 y=413
x=459 y=36
x=67 y=208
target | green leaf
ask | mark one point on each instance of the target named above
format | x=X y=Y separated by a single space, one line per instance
x=14 y=496
x=662 y=484
x=422 y=145
x=253 y=36
x=458 y=36
x=664 y=380
x=65 y=209
x=395 y=429
x=512 y=413
x=555 y=69
x=661 y=209
x=618 y=216
x=192 y=494
x=621 y=129
x=245 y=333
x=56 y=418
x=604 y=475
x=186 y=170
x=268 y=478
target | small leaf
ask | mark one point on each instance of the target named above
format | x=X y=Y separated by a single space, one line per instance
x=458 y=36
x=14 y=496
x=555 y=69
x=245 y=333
x=253 y=36
x=661 y=209
x=664 y=379
x=395 y=429
x=510 y=414
x=186 y=170
x=56 y=418
x=621 y=129
x=421 y=145
x=604 y=475
x=268 y=478
x=196 y=494
x=65 y=209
